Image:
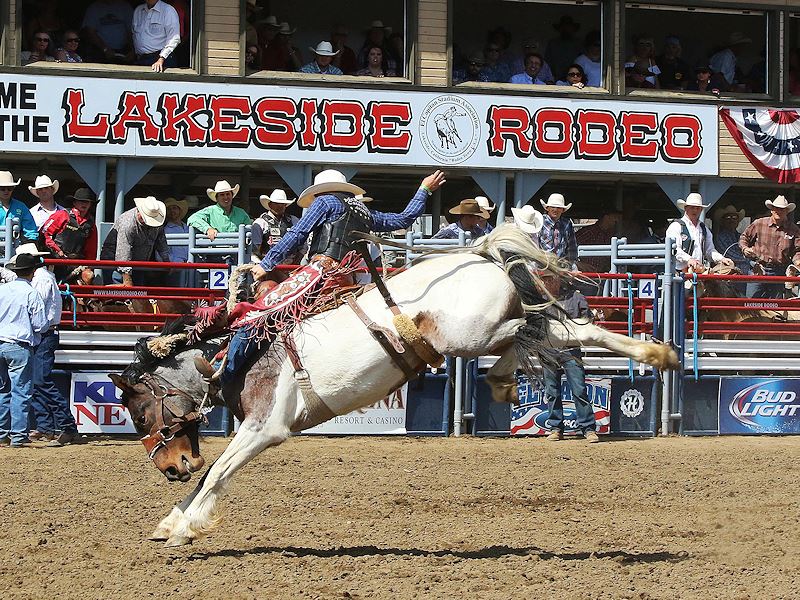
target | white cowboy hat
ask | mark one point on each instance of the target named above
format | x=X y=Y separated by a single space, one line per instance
x=556 y=201
x=329 y=180
x=285 y=29
x=222 y=186
x=528 y=219
x=277 y=196
x=780 y=202
x=324 y=49
x=693 y=199
x=484 y=203
x=7 y=180
x=182 y=204
x=29 y=249
x=43 y=181
x=153 y=211
x=376 y=24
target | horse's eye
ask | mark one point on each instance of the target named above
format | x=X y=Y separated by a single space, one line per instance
x=142 y=420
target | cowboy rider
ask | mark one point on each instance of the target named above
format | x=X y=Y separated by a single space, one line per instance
x=272 y=225
x=693 y=240
x=336 y=209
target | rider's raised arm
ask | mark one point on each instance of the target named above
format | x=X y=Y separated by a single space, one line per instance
x=390 y=221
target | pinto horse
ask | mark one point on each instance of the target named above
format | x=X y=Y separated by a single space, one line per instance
x=479 y=301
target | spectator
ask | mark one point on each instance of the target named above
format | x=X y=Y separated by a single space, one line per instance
x=557 y=235
x=137 y=234
x=13 y=208
x=178 y=253
x=156 y=33
x=725 y=60
x=501 y=37
x=576 y=77
x=562 y=50
x=642 y=65
x=252 y=59
x=345 y=60
x=280 y=55
x=46 y=19
x=397 y=51
x=222 y=216
x=694 y=243
x=639 y=75
x=600 y=233
x=42 y=46
x=529 y=220
x=488 y=207
x=472 y=72
x=68 y=52
x=469 y=215
x=530 y=76
x=493 y=69
x=674 y=70
x=267 y=29
x=45 y=190
x=726 y=240
x=107 y=27
x=321 y=65
x=590 y=60
x=706 y=83
x=517 y=65
x=773 y=243
x=657 y=232
x=757 y=76
x=270 y=227
x=378 y=65
x=22 y=318
x=71 y=233
x=250 y=33
x=376 y=36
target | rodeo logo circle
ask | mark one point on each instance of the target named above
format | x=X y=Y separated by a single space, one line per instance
x=632 y=403
x=449 y=129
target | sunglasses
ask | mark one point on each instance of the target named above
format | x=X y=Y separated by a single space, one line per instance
x=573 y=74
x=43 y=39
x=71 y=40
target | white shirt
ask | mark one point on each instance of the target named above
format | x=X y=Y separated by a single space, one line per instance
x=700 y=252
x=593 y=70
x=724 y=62
x=45 y=284
x=41 y=214
x=156 y=29
x=526 y=79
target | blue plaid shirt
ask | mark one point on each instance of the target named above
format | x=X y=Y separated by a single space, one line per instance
x=326 y=209
x=450 y=232
x=558 y=237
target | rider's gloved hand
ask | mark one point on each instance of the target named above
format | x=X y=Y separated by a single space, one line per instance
x=258 y=273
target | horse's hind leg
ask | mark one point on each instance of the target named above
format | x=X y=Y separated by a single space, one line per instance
x=201 y=515
x=501 y=379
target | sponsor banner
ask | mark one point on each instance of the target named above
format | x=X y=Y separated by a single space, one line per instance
x=154 y=119
x=386 y=417
x=530 y=417
x=759 y=405
x=96 y=406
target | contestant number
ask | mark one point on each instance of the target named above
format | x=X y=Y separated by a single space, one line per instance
x=218 y=279
x=647 y=288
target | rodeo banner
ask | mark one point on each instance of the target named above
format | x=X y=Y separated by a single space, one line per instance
x=530 y=416
x=751 y=405
x=154 y=119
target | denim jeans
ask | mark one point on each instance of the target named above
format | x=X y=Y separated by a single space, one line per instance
x=240 y=348
x=15 y=395
x=764 y=289
x=50 y=408
x=576 y=379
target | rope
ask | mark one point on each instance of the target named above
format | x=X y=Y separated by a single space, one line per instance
x=68 y=294
x=630 y=321
x=695 y=326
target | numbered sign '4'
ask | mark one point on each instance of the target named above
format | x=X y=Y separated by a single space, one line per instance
x=647 y=288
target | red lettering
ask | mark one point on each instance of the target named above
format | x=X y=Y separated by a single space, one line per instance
x=508 y=123
x=73 y=129
x=85 y=410
x=675 y=127
x=549 y=121
x=275 y=116
x=134 y=113
x=225 y=113
x=308 y=137
x=338 y=112
x=388 y=119
x=636 y=129
x=113 y=414
x=181 y=112
x=594 y=124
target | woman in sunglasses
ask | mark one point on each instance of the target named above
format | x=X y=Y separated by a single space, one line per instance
x=576 y=77
x=40 y=49
x=69 y=47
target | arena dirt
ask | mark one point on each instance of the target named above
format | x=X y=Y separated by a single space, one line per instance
x=415 y=518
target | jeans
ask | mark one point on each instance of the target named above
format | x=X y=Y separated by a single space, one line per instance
x=240 y=348
x=15 y=395
x=576 y=379
x=50 y=408
x=764 y=289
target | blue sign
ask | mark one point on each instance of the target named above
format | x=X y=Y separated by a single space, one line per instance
x=750 y=405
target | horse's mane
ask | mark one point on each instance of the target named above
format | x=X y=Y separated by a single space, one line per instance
x=146 y=355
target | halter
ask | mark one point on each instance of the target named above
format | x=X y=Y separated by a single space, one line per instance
x=161 y=434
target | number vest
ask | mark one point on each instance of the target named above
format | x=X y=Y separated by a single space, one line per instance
x=72 y=239
x=274 y=229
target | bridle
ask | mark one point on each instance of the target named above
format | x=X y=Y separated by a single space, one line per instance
x=160 y=434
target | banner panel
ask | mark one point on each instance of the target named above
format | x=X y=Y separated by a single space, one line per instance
x=96 y=405
x=386 y=417
x=154 y=119
x=750 y=405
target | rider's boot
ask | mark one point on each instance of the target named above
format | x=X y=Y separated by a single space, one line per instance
x=211 y=377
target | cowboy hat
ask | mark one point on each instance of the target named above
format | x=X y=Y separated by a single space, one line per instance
x=469 y=207
x=23 y=262
x=376 y=24
x=153 y=211
x=484 y=203
x=324 y=49
x=780 y=202
x=182 y=204
x=556 y=201
x=277 y=196
x=43 y=181
x=693 y=199
x=528 y=219
x=30 y=249
x=720 y=213
x=269 y=21
x=7 y=180
x=329 y=180
x=285 y=29
x=82 y=194
x=222 y=186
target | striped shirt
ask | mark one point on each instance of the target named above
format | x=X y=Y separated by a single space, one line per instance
x=558 y=237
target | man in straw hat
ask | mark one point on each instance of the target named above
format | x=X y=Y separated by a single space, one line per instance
x=774 y=243
x=469 y=214
x=45 y=190
x=22 y=319
x=693 y=240
x=13 y=208
x=72 y=233
x=270 y=227
x=137 y=234
x=557 y=234
x=323 y=57
x=336 y=210
x=222 y=216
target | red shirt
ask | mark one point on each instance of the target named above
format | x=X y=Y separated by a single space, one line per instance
x=55 y=225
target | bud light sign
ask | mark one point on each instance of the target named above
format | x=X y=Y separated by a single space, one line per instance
x=96 y=404
x=759 y=405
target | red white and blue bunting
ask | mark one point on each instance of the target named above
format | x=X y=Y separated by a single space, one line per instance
x=769 y=138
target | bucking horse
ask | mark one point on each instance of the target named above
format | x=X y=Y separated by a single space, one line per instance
x=481 y=300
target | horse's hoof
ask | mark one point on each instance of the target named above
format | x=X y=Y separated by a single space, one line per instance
x=177 y=540
x=160 y=534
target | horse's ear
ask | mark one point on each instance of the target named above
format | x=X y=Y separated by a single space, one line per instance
x=122 y=383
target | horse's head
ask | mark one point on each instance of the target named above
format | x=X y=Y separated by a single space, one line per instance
x=169 y=421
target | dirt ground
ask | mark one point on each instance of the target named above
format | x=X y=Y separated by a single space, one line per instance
x=415 y=518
